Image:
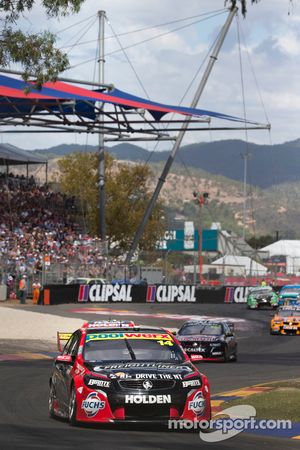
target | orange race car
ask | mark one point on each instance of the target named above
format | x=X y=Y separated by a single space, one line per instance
x=286 y=321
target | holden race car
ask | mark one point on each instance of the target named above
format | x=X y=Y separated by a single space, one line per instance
x=286 y=321
x=289 y=295
x=116 y=371
x=206 y=340
x=262 y=296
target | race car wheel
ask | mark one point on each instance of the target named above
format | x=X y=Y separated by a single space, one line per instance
x=234 y=359
x=226 y=354
x=72 y=408
x=52 y=397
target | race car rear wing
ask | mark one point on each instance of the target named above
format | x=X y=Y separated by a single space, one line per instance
x=62 y=339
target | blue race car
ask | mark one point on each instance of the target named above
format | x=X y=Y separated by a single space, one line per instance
x=289 y=295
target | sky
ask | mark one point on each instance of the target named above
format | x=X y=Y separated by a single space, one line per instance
x=165 y=66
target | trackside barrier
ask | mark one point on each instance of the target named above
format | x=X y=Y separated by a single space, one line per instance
x=128 y=293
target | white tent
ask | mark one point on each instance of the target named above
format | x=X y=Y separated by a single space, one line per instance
x=284 y=248
x=240 y=266
x=288 y=248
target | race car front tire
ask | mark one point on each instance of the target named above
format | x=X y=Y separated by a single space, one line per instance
x=226 y=355
x=51 y=401
x=72 y=407
x=234 y=359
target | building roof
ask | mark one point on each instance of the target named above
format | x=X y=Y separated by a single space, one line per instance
x=11 y=155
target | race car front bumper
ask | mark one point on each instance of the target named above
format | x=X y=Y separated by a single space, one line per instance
x=97 y=406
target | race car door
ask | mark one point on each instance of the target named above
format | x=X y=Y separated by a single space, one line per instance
x=64 y=371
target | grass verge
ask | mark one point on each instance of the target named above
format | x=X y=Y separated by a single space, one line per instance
x=282 y=402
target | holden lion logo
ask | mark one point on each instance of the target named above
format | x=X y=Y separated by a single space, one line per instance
x=92 y=404
x=147 y=385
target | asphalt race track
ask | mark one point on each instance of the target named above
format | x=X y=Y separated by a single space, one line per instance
x=24 y=421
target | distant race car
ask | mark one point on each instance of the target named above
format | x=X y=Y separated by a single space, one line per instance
x=113 y=371
x=262 y=296
x=289 y=295
x=286 y=321
x=206 y=340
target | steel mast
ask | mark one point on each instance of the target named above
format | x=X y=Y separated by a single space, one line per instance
x=101 y=167
x=169 y=162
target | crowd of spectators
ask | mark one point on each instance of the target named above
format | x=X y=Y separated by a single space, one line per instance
x=38 y=229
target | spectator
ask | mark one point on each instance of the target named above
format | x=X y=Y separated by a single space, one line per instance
x=36 y=290
x=23 y=289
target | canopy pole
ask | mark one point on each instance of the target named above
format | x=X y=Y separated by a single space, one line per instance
x=67 y=80
x=101 y=167
x=180 y=136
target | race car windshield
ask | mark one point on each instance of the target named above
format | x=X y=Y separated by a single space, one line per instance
x=289 y=313
x=205 y=329
x=261 y=291
x=291 y=291
x=124 y=350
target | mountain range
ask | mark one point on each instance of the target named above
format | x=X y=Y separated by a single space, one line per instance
x=268 y=165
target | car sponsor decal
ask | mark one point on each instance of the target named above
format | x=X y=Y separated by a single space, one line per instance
x=158 y=376
x=191 y=383
x=92 y=404
x=137 y=399
x=138 y=365
x=109 y=336
x=197 y=405
x=197 y=338
x=99 y=383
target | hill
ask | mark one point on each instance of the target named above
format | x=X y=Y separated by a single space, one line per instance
x=269 y=165
x=268 y=210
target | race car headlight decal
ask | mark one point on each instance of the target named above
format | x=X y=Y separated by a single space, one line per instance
x=215 y=344
x=96 y=383
x=277 y=322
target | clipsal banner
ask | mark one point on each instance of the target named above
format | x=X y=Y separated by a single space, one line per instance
x=105 y=293
x=171 y=294
x=237 y=294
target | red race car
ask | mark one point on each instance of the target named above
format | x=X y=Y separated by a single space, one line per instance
x=117 y=371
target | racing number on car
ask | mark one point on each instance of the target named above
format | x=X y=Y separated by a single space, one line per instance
x=161 y=342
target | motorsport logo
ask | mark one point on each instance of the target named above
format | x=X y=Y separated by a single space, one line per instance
x=228 y=423
x=170 y=294
x=105 y=293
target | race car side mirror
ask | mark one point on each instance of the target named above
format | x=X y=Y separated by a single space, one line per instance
x=64 y=359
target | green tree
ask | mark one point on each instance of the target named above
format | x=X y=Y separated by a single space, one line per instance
x=127 y=195
x=35 y=52
x=243 y=3
x=261 y=241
